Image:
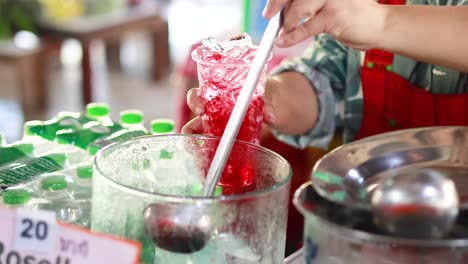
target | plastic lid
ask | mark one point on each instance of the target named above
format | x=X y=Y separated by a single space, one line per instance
x=54 y=182
x=16 y=196
x=161 y=126
x=131 y=117
x=85 y=172
x=97 y=109
x=93 y=149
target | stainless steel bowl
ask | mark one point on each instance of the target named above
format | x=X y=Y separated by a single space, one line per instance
x=337 y=234
x=349 y=174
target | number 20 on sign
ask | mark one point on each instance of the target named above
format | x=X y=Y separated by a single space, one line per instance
x=35 y=230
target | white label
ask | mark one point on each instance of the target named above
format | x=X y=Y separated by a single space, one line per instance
x=61 y=244
x=35 y=230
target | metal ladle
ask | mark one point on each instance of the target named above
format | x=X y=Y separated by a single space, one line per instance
x=421 y=204
x=188 y=229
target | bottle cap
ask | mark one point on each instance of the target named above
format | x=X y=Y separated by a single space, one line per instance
x=162 y=126
x=85 y=172
x=97 y=110
x=54 y=182
x=131 y=117
x=16 y=196
x=93 y=149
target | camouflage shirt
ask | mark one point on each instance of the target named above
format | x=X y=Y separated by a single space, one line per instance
x=334 y=71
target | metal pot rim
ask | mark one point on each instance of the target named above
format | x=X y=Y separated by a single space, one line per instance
x=350 y=234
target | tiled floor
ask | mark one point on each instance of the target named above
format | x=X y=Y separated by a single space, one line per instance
x=190 y=20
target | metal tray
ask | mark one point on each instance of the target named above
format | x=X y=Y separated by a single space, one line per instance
x=349 y=174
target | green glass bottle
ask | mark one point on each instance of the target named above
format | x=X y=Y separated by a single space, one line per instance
x=15 y=152
x=26 y=170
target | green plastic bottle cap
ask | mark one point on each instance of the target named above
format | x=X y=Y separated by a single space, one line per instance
x=97 y=109
x=85 y=172
x=16 y=196
x=131 y=117
x=93 y=150
x=161 y=126
x=54 y=182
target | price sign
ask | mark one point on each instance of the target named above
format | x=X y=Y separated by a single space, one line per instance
x=34 y=237
x=35 y=230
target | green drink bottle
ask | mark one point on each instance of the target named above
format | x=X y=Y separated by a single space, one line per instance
x=65 y=120
x=83 y=193
x=48 y=129
x=132 y=121
x=17 y=197
x=91 y=131
x=162 y=126
x=27 y=169
x=15 y=152
x=57 y=189
x=83 y=181
x=99 y=112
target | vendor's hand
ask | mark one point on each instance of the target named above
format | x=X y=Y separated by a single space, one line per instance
x=289 y=108
x=356 y=23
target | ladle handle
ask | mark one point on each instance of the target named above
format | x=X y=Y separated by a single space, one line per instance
x=240 y=108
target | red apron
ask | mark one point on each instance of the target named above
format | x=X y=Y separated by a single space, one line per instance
x=393 y=103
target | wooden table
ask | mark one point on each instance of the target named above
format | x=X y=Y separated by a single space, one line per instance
x=30 y=72
x=112 y=27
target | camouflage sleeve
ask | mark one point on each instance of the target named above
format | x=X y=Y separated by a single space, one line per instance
x=324 y=65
